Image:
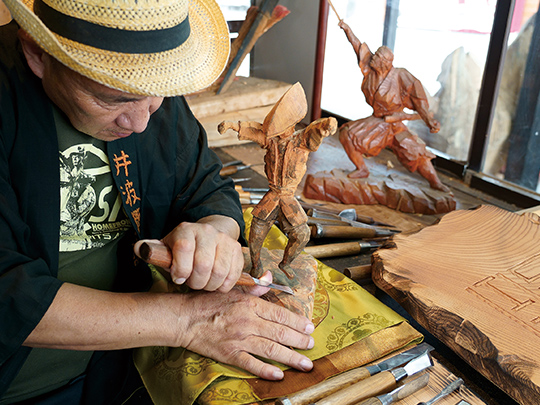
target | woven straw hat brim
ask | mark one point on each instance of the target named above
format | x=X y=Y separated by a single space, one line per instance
x=192 y=66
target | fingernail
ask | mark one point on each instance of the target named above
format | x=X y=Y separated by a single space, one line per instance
x=278 y=374
x=310 y=328
x=311 y=343
x=306 y=364
x=180 y=281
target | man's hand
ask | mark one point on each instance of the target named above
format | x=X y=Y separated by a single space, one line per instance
x=233 y=328
x=205 y=255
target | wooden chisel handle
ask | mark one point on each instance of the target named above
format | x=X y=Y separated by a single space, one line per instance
x=324 y=388
x=228 y=170
x=159 y=254
x=371 y=401
x=336 y=231
x=337 y=249
x=371 y=387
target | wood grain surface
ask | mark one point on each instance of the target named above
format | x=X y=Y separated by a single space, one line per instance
x=473 y=281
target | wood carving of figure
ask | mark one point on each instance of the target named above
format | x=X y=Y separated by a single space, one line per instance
x=388 y=90
x=285 y=161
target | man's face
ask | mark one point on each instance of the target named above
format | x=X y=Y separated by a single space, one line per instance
x=94 y=109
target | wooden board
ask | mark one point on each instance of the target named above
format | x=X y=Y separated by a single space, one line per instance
x=303 y=284
x=244 y=93
x=473 y=281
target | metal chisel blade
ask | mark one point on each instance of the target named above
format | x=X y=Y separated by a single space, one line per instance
x=279 y=287
x=418 y=364
x=400 y=358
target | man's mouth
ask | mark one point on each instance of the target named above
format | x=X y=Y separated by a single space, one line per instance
x=121 y=134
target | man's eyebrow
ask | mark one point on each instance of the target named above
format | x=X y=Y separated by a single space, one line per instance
x=120 y=98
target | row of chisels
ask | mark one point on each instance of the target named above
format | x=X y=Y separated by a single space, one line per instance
x=367 y=233
x=379 y=384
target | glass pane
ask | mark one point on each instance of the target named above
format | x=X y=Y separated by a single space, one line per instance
x=235 y=10
x=342 y=78
x=513 y=148
x=442 y=43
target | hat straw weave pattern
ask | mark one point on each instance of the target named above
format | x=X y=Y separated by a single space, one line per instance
x=147 y=47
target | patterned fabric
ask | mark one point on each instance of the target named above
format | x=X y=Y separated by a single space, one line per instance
x=345 y=316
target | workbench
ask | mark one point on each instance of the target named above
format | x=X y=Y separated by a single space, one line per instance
x=448 y=366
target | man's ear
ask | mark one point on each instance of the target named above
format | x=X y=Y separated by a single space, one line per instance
x=33 y=53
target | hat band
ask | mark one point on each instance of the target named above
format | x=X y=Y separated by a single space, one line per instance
x=112 y=39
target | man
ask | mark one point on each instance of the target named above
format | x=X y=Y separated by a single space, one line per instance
x=102 y=77
x=389 y=91
x=285 y=161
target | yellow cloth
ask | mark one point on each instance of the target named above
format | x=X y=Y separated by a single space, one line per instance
x=344 y=314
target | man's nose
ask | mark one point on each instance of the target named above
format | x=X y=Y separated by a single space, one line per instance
x=137 y=115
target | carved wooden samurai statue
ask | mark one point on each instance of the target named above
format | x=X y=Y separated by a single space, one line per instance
x=285 y=161
x=388 y=91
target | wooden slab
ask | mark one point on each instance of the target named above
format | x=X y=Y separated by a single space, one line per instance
x=473 y=281
x=244 y=93
x=303 y=284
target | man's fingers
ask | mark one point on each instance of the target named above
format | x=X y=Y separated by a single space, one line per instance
x=182 y=265
x=282 y=316
x=270 y=350
x=259 y=290
x=233 y=267
x=257 y=367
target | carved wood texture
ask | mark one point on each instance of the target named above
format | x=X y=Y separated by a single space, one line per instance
x=473 y=280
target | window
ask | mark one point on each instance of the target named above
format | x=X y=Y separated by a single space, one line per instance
x=476 y=60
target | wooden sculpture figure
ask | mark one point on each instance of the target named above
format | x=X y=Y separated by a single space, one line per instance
x=285 y=161
x=388 y=91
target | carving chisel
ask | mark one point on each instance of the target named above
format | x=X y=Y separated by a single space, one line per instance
x=345 y=379
x=446 y=391
x=400 y=392
x=345 y=224
x=159 y=255
x=228 y=170
x=340 y=249
x=377 y=384
x=345 y=232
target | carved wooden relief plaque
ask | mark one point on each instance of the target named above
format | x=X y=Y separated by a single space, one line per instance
x=473 y=280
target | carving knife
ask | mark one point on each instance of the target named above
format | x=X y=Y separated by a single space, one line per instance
x=377 y=384
x=159 y=255
x=345 y=379
x=400 y=392
x=446 y=391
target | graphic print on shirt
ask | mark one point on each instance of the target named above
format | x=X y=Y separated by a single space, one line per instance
x=91 y=211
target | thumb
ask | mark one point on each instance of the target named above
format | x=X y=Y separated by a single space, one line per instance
x=259 y=290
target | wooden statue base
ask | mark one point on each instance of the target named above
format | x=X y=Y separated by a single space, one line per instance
x=303 y=284
x=389 y=183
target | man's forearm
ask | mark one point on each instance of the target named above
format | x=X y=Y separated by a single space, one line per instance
x=82 y=318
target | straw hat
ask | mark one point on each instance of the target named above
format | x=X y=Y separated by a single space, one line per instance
x=289 y=110
x=147 y=47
